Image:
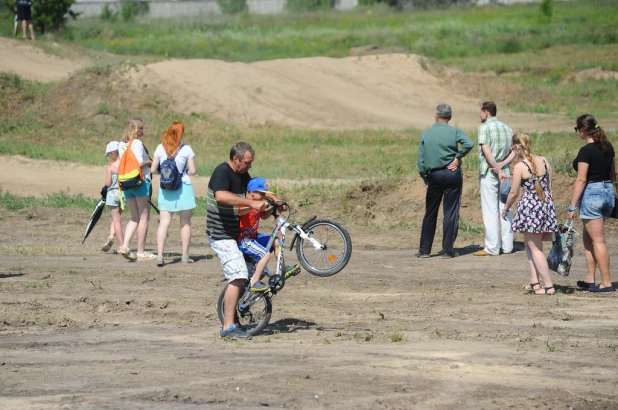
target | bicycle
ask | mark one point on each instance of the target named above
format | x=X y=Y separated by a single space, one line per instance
x=323 y=248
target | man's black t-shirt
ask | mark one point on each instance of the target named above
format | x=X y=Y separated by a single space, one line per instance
x=222 y=221
x=599 y=161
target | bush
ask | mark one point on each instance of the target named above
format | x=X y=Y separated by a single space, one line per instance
x=107 y=14
x=430 y=4
x=391 y=3
x=129 y=9
x=510 y=46
x=308 y=5
x=232 y=6
x=546 y=10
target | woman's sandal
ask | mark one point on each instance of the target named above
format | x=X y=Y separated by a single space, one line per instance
x=146 y=256
x=530 y=287
x=160 y=261
x=186 y=259
x=126 y=253
x=545 y=291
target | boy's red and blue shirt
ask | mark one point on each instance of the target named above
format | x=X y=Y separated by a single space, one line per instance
x=249 y=224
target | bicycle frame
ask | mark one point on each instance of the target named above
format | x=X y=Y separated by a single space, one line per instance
x=280 y=230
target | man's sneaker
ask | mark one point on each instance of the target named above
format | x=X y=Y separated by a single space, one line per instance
x=291 y=270
x=258 y=287
x=234 y=332
x=419 y=254
x=448 y=255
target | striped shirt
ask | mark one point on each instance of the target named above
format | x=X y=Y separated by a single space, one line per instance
x=498 y=137
x=222 y=221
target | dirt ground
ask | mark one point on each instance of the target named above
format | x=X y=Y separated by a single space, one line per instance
x=83 y=329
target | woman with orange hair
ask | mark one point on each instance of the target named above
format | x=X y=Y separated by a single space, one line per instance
x=174 y=198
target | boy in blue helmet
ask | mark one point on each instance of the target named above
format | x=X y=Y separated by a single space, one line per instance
x=251 y=242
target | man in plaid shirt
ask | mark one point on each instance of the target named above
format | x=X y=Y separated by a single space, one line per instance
x=495 y=155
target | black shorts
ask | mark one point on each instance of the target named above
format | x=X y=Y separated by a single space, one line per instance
x=24 y=13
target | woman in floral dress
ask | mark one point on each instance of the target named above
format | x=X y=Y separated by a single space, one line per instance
x=535 y=214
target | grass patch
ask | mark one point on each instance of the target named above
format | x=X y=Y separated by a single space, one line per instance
x=363 y=337
x=60 y=199
x=446 y=33
x=397 y=337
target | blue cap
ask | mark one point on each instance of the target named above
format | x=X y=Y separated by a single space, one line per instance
x=257 y=184
x=505 y=188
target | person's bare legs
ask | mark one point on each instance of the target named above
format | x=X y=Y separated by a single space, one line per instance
x=129 y=230
x=116 y=228
x=233 y=292
x=142 y=228
x=259 y=268
x=24 y=29
x=591 y=263
x=165 y=219
x=185 y=231
x=534 y=241
x=31 y=27
x=595 y=228
x=534 y=275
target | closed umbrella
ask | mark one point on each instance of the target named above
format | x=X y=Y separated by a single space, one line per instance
x=94 y=218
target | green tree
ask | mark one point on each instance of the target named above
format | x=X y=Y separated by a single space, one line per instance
x=47 y=15
x=546 y=8
x=232 y=6
x=51 y=15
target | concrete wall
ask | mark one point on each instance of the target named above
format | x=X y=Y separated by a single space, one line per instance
x=182 y=8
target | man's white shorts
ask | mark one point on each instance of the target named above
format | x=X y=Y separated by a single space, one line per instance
x=232 y=259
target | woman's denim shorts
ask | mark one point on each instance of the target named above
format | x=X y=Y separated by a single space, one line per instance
x=597 y=200
x=142 y=189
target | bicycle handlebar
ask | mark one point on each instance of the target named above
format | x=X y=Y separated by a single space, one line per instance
x=276 y=205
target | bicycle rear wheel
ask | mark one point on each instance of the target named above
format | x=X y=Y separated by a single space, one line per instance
x=336 y=252
x=253 y=311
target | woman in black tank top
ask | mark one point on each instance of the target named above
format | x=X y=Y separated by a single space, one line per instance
x=593 y=196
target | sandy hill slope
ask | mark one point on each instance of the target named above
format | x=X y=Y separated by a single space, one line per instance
x=379 y=91
x=21 y=57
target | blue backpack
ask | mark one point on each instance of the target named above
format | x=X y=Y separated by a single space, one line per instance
x=171 y=178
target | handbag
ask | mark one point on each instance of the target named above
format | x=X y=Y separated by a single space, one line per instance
x=614 y=213
x=560 y=256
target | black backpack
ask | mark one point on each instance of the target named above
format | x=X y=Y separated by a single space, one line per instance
x=171 y=178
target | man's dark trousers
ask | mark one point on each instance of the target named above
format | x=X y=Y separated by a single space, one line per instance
x=445 y=184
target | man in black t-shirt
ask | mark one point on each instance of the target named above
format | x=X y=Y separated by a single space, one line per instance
x=24 y=14
x=226 y=192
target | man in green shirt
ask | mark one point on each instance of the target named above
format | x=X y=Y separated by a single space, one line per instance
x=439 y=164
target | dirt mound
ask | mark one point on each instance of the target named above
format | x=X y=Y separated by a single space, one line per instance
x=21 y=57
x=377 y=91
x=391 y=91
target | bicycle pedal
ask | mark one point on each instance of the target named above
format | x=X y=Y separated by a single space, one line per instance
x=292 y=272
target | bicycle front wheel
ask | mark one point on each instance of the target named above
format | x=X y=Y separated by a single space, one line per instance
x=252 y=312
x=334 y=253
